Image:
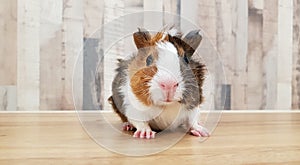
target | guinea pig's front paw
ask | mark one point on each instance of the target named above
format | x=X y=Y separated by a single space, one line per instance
x=144 y=134
x=199 y=131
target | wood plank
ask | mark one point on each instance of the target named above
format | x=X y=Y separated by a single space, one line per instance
x=72 y=50
x=225 y=44
x=285 y=56
x=255 y=72
x=270 y=53
x=8 y=54
x=58 y=138
x=296 y=57
x=51 y=71
x=8 y=42
x=28 y=55
x=240 y=30
x=224 y=40
x=93 y=82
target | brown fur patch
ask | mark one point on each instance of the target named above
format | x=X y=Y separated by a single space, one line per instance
x=142 y=38
x=140 y=60
x=199 y=71
x=157 y=37
x=139 y=84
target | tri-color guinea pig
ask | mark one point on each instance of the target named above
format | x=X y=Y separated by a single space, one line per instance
x=160 y=86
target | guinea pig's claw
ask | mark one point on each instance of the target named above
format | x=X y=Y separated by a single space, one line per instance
x=144 y=134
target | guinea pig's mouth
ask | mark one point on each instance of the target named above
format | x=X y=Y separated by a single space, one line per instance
x=170 y=101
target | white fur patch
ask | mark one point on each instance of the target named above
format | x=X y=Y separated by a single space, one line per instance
x=175 y=115
x=168 y=58
x=168 y=69
x=171 y=117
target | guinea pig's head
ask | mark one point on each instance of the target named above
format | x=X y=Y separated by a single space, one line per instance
x=156 y=73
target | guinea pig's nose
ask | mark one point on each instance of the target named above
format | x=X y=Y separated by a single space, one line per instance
x=168 y=85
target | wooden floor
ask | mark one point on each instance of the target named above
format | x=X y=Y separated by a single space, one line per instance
x=240 y=138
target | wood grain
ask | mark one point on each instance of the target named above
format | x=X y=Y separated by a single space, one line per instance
x=240 y=138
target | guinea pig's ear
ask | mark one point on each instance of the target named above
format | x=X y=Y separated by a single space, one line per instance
x=192 y=40
x=141 y=38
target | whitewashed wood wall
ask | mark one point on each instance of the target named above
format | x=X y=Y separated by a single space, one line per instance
x=258 y=41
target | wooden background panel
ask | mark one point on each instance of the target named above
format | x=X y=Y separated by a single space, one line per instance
x=93 y=80
x=8 y=54
x=28 y=55
x=51 y=55
x=284 y=59
x=61 y=43
x=225 y=44
x=254 y=56
x=8 y=42
x=258 y=41
x=240 y=32
x=270 y=53
x=72 y=46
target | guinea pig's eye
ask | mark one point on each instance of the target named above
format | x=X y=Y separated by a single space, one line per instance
x=149 y=60
x=185 y=58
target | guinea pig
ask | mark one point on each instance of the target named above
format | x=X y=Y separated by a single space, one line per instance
x=160 y=86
